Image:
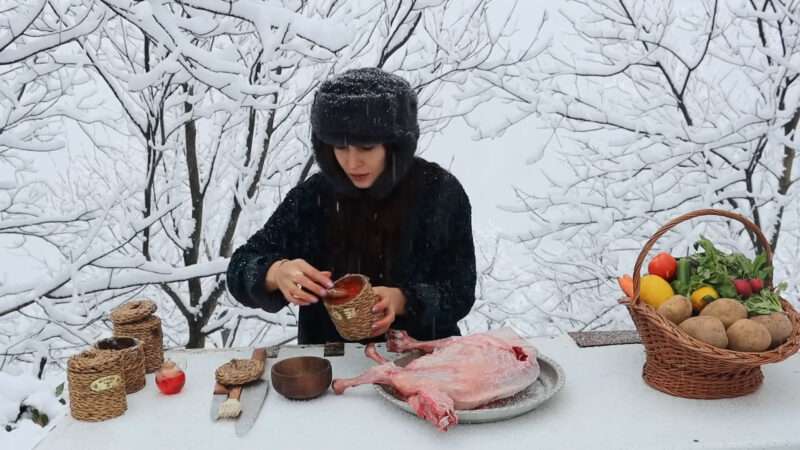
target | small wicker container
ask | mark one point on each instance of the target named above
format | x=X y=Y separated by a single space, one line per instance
x=136 y=319
x=683 y=366
x=132 y=353
x=237 y=372
x=352 y=315
x=96 y=386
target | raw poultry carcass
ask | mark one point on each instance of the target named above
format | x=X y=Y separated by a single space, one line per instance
x=456 y=373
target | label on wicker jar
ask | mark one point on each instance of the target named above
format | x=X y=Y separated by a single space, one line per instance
x=105 y=383
x=344 y=314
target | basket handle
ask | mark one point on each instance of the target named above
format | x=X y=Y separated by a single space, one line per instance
x=691 y=215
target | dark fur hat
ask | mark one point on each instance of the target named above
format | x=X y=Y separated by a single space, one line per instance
x=365 y=106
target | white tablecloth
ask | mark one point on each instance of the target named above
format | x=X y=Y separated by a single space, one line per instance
x=603 y=405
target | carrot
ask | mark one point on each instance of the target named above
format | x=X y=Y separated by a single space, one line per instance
x=626 y=284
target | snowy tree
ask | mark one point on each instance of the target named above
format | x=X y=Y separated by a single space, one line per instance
x=39 y=88
x=45 y=93
x=657 y=109
x=208 y=132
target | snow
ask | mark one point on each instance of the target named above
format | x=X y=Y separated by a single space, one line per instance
x=26 y=389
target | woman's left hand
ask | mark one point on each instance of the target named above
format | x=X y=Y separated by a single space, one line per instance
x=391 y=303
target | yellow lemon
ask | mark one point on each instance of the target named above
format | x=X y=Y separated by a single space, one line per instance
x=655 y=290
x=700 y=297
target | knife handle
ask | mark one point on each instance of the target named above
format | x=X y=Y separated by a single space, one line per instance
x=235 y=392
x=260 y=354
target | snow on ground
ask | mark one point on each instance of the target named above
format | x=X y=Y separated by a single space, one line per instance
x=38 y=399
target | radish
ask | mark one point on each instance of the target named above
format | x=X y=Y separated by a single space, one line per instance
x=743 y=287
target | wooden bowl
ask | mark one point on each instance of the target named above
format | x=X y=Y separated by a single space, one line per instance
x=302 y=377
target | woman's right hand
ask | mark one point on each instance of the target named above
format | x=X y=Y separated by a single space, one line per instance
x=298 y=281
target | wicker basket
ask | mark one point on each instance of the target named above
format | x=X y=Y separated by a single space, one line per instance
x=132 y=354
x=136 y=319
x=96 y=386
x=352 y=315
x=683 y=366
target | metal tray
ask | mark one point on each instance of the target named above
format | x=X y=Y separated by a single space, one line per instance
x=550 y=381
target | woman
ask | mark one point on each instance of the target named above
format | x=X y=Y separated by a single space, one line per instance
x=374 y=209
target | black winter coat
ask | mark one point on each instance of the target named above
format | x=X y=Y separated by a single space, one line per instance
x=418 y=239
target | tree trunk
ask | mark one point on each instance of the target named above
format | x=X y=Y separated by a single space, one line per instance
x=196 y=337
x=151 y=163
x=191 y=254
x=785 y=181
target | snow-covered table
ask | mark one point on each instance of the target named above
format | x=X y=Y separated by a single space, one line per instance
x=604 y=405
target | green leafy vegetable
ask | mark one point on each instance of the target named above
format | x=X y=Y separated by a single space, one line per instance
x=764 y=302
x=715 y=268
x=712 y=269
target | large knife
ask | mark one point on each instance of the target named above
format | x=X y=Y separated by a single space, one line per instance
x=253 y=396
x=220 y=395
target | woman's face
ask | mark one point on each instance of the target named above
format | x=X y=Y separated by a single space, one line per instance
x=362 y=164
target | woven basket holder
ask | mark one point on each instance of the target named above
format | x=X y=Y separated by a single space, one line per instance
x=135 y=319
x=239 y=371
x=96 y=386
x=683 y=366
x=132 y=362
x=354 y=319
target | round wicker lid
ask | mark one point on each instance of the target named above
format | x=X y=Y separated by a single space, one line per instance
x=133 y=311
x=94 y=361
x=239 y=371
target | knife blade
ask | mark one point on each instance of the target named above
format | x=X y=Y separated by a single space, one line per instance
x=219 y=396
x=253 y=396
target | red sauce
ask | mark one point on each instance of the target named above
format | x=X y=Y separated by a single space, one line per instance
x=350 y=286
x=170 y=381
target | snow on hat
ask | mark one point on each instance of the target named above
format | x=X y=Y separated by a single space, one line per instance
x=365 y=106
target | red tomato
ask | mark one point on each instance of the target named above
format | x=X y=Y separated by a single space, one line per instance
x=663 y=265
x=170 y=378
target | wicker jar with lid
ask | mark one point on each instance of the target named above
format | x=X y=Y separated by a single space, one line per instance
x=137 y=319
x=132 y=353
x=96 y=386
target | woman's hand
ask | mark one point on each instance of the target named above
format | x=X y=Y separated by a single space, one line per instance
x=298 y=280
x=392 y=303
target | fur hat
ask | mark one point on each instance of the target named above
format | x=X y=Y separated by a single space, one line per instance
x=365 y=106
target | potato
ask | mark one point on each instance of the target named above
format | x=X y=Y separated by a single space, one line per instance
x=708 y=329
x=727 y=310
x=677 y=309
x=747 y=335
x=778 y=325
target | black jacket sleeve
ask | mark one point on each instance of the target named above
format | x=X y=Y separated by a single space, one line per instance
x=277 y=239
x=438 y=298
